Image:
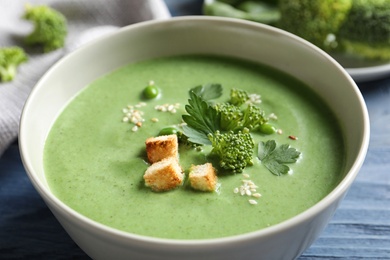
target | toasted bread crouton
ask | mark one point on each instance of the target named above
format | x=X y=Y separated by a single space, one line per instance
x=203 y=177
x=164 y=175
x=161 y=147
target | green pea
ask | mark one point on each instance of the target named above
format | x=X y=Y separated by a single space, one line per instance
x=267 y=129
x=151 y=92
x=168 y=131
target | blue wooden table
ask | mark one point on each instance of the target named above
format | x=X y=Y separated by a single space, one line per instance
x=360 y=228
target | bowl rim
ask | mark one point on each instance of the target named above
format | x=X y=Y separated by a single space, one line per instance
x=80 y=219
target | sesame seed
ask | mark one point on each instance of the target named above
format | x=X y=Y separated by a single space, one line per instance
x=273 y=116
x=248 y=188
x=134 y=116
x=279 y=131
x=253 y=202
x=154 y=119
x=254 y=99
x=172 y=108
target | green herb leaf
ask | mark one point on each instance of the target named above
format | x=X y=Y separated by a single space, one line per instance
x=201 y=121
x=208 y=91
x=274 y=158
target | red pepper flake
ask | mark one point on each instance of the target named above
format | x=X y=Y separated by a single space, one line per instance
x=292 y=137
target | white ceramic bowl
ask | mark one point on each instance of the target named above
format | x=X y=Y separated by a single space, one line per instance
x=195 y=35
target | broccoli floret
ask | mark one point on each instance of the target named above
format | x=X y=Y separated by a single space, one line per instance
x=234 y=150
x=239 y=112
x=231 y=116
x=238 y=97
x=366 y=31
x=50 y=27
x=317 y=21
x=10 y=59
x=235 y=118
x=253 y=117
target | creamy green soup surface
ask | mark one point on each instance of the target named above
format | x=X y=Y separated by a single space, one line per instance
x=94 y=162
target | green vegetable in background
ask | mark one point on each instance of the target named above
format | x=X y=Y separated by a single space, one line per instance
x=10 y=59
x=259 y=11
x=366 y=31
x=50 y=27
x=358 y=29
x=317 y=21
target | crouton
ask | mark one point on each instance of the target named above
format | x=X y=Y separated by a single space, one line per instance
x=164 y=175
x=203 y=177
x=161 y=147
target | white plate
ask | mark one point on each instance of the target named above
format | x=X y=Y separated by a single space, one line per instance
x=369 y=73
x=364 y=70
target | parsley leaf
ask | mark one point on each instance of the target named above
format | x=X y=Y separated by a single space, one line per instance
x=274 y=158
x=201 y=121
x=208 y=91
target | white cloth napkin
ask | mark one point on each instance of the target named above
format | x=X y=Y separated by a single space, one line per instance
x=87 y=19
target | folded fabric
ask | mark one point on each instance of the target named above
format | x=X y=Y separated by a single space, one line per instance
x=86 y=20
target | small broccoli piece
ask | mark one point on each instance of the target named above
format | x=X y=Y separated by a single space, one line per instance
x=234 y=118
x=50 y=27
x=231 y=116
x=238 y=97
x=239 y=113
x=10 y=59
x=366 y=31
x=314 y=20
x=234 y=150
x=253 y=117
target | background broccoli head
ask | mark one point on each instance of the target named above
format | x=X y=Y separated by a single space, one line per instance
x=314 y=20
x=366 y=32
x=50 y=27
x=10 y=59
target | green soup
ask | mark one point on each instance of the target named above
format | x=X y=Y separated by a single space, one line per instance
x=94 y=162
